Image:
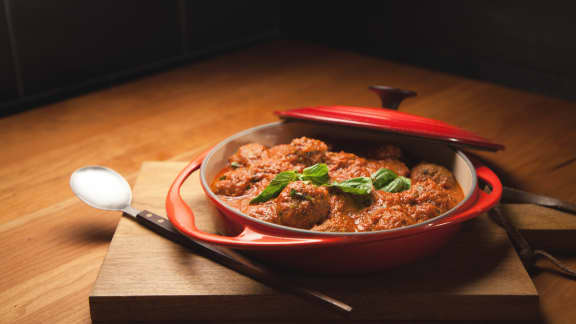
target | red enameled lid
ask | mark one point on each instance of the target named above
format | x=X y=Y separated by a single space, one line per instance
x=391 y=121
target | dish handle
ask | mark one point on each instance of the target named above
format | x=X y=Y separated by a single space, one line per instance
x=484 y=202
x=182 y=217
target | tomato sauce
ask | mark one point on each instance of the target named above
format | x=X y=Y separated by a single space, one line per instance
x=302 y=204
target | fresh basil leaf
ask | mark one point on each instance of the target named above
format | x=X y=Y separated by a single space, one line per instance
x=397 y=185
x=317 y=174
x=235 y=165
x=383 y=177
x=356 y=186
x=273 y=189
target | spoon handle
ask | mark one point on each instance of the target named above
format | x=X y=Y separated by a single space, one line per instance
x=238 y=262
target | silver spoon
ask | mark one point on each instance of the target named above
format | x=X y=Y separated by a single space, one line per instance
x=104 y=188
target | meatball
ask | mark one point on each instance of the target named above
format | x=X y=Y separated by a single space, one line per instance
x=300 y=153
x=234 y=182
x=284 y=153
x=343 y=166
x=309 y=151
x=387 y=152
x=267 y=169
x=383 y=213
x=339 y=221
x=429 y=191
x=302 y=205
x=339 y=160
x=248 y=153
x=265 y=212
x=395 y=165
x=389 y=218
x=437 y=173
x=336 y=224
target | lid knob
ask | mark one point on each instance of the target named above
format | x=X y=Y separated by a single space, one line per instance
x=391 y=97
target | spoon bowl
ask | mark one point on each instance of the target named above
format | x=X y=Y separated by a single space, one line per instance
x=101 y=188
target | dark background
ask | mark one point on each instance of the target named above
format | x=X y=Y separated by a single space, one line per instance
x=55 y=49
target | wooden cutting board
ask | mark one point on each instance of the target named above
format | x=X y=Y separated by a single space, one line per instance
x=544 y=228
x=145 y=277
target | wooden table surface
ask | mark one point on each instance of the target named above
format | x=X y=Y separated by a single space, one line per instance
x=53 y=245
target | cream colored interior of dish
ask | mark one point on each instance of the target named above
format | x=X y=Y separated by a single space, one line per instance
x=283 y=133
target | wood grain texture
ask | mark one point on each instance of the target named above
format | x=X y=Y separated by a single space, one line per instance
x=53 y=245
x=146 y=277
x=544 y=228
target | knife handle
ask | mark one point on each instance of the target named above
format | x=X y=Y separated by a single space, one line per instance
x=162 y=226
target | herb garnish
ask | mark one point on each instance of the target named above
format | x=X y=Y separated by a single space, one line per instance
x=383 y=179
x=387 y=180
x=397 y=185
x=316 y=174
x=276 y=186
x=356 y=186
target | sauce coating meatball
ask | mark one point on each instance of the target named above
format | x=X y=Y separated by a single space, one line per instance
x=265 y=212
x=248 y=153
x=340 y=204
x=308 y=150
x=233 y=182
x=436 y=173
x=344 y=166
x=302 y=205
x=387 y=151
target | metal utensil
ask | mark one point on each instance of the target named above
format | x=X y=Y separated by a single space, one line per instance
x=104 y=188
x=512 y=195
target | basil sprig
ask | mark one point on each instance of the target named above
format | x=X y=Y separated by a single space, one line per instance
x=397 y=185
x=387 y=180
x=316 y=174
x=382 y=177
x=356 y=186
x=276 y=186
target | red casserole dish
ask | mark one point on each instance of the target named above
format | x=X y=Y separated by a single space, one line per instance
x=328 y=252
